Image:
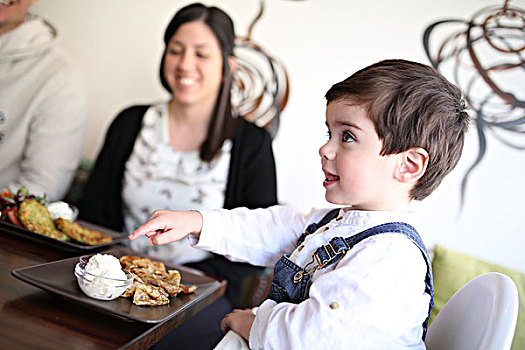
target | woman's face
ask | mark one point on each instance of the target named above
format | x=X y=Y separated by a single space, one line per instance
x=193 y=64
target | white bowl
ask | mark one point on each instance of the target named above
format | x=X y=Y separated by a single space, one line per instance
x=100 y=287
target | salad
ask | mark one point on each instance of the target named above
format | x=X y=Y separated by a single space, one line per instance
x=10 y=202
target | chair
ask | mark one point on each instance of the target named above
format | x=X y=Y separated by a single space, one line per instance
x=481 y=315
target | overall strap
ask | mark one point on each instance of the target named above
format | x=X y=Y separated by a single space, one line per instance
x=315 y=226
x=335 y=249
x=328 y=254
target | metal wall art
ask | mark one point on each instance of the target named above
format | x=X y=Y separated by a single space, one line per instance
x=485 y=58
x=260 y=84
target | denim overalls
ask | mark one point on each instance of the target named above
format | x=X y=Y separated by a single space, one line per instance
x=291 y=282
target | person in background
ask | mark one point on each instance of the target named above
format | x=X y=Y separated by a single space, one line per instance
x=43 y=105
x=191 y=152
x=357 y=277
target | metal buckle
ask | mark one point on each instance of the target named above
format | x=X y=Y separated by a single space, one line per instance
x=319 y=265
x=330 y=256
x=299 y=275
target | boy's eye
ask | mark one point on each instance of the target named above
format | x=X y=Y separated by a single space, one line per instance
x=347 y=137
x=328 y=134
x=202 y=55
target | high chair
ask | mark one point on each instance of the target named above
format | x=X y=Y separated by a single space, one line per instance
x=481 y=315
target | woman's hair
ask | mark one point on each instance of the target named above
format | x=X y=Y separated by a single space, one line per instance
x=411 y=105
x=222 y=122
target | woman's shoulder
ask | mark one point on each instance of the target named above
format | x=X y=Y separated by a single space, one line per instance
x=250 y=129
x=135 y=111
x=128 y=120
x=129 y=116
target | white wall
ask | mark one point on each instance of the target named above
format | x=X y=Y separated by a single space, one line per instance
x=119 y=42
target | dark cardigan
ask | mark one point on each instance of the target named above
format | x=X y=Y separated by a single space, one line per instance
x=251 y=183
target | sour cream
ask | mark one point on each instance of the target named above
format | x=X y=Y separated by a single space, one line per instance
x=62 y=210
x=102 y=277
x=105 y=265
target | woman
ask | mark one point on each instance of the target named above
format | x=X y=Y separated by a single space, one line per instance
x=188 y=153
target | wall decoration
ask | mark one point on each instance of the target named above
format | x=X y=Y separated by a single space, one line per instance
x=484 y=56
x=260 y=84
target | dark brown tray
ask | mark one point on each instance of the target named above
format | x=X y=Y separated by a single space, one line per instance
x=58 y=277
x=71 y=245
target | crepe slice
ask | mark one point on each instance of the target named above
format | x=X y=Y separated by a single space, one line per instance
x=145 y=264
x=146 y=294
x=153 y=274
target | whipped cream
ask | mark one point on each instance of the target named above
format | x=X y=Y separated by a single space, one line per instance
x=61 y=210
x=102 y=277
x=105 y=265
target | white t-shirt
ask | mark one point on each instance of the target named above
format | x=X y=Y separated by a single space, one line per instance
x=157 y=176
x=372 y=298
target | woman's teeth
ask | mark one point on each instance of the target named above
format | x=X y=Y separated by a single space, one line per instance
x=187 y=81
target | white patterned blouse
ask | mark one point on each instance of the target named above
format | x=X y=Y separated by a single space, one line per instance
x=157 y=176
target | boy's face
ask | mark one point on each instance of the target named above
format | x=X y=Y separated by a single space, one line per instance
x=355 y=172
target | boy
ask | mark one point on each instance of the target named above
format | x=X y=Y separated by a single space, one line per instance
x=357 y=277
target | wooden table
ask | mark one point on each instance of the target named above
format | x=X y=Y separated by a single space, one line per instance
x=31 y=318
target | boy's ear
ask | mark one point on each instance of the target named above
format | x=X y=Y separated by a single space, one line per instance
x=412 y=166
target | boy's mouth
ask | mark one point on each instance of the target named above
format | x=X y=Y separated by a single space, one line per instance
x=329 y=179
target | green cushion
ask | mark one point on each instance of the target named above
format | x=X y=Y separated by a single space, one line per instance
x=453 y=269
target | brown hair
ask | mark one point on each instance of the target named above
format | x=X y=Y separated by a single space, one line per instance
x=222 y=124
x=411 y=105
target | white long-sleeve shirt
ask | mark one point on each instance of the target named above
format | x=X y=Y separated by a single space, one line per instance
x=373 y=298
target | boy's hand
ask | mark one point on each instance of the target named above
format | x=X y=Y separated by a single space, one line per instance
x=239 y=321
x=166 y=226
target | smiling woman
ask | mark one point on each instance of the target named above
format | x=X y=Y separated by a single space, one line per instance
x=193 y=62
x=190 y=152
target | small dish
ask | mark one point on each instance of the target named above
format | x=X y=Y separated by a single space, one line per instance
x=100 y=287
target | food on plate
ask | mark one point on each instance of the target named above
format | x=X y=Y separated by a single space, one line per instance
x=105 y=277
x=26 y=210
x=80 y=233
x=146 y=294
x=35 y=217
x=9 y=203
x=102 y=277
x=62 y=210
x=12 y=216
x=152 y=284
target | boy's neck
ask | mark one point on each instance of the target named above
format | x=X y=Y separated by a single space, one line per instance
x=398 y=205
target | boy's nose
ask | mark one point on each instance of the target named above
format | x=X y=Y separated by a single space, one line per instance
x=326 y=151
